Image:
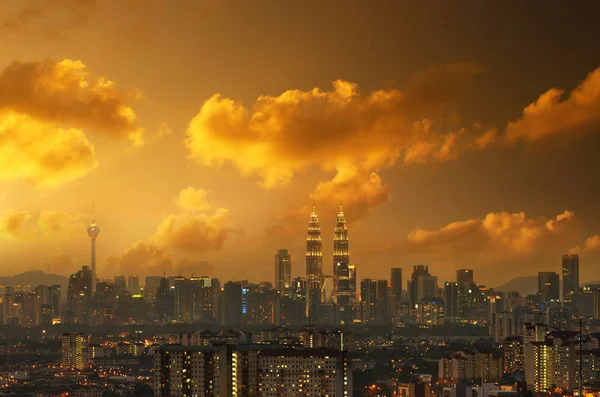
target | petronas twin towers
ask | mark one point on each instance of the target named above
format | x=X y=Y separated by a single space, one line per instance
x=344 y=276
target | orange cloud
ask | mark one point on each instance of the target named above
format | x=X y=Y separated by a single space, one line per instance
x=63 y=93
x=190 y=232
x=343 y=130
x=45 y=108
x=359 y=191
x=279 y=136
x=550 y=115
x=197 y=233
x=501 y=232
x=24 y=225
x=144 y=258
x=40 y=152
x=590 y=246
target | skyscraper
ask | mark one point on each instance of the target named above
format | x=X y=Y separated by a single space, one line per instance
x=464 y=277
x=570 y=274
x=74 y=351
x=93 y=232
x=548 y=286
x=133 y=284
x=283 y=272
x=451 y=300
x=233 y=308
x=341 y=257
x=422 y=285
x=396 y=291
x=314 y=245
x=368 y=299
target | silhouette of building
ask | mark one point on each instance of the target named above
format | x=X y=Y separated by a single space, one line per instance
x=548 y=286
x=570 y=275
x=93 y=232
x=283 y=272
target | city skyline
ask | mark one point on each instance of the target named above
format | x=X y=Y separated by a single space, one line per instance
x=208 y=161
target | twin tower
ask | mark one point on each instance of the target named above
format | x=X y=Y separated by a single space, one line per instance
x=344 y=276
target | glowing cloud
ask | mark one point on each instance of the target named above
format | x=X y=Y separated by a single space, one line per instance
x=279 y=136
x=550 y=115
x=45 y=108
x=23 y=225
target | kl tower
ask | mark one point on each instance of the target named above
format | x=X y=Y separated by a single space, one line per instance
x=93 y=232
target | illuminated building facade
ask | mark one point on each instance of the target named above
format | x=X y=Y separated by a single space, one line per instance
x=251 y=371
x=74 y=352
x=344 y=277
x=314 y=247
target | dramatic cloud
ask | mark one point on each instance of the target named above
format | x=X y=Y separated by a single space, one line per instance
x=45 y=108
x=194 y=233
x=550 y=115
x=590 y=246
x=496 y=246
x=24 y=225
x=358 y=191
x=63 y=93
x=179 y=239
x=507 y=233
x=298 y=129
x=354 y=134
x=144 y=258
x=41 y=152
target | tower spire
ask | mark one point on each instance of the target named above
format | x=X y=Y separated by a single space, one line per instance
x=93 y=232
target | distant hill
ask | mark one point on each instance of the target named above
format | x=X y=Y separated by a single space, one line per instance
x=525 y=285
x=34 y=278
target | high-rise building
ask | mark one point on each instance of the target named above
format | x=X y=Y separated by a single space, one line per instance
x=187 y=296
x=133 y=284
x=396 y=281
x=548 y=286
x=464 y=277
x=422 y=285
x=570 y=275
x=343 y=295
x=368 y=299
x=551 y=362
x=352 y=284
x=120 y=282
x=233 y=306
x=80 y=285
x=283 y=272
x=74 y=351
x=249 y=371
x=316 y=372
x=341 y=256
x=93 y=232
x=164 y=301
x=313 y=299
x=383 y=303
x=314 y=247
x=150 y=287
x=451 y=301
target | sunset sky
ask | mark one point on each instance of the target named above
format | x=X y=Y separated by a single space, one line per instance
x=202 y=130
